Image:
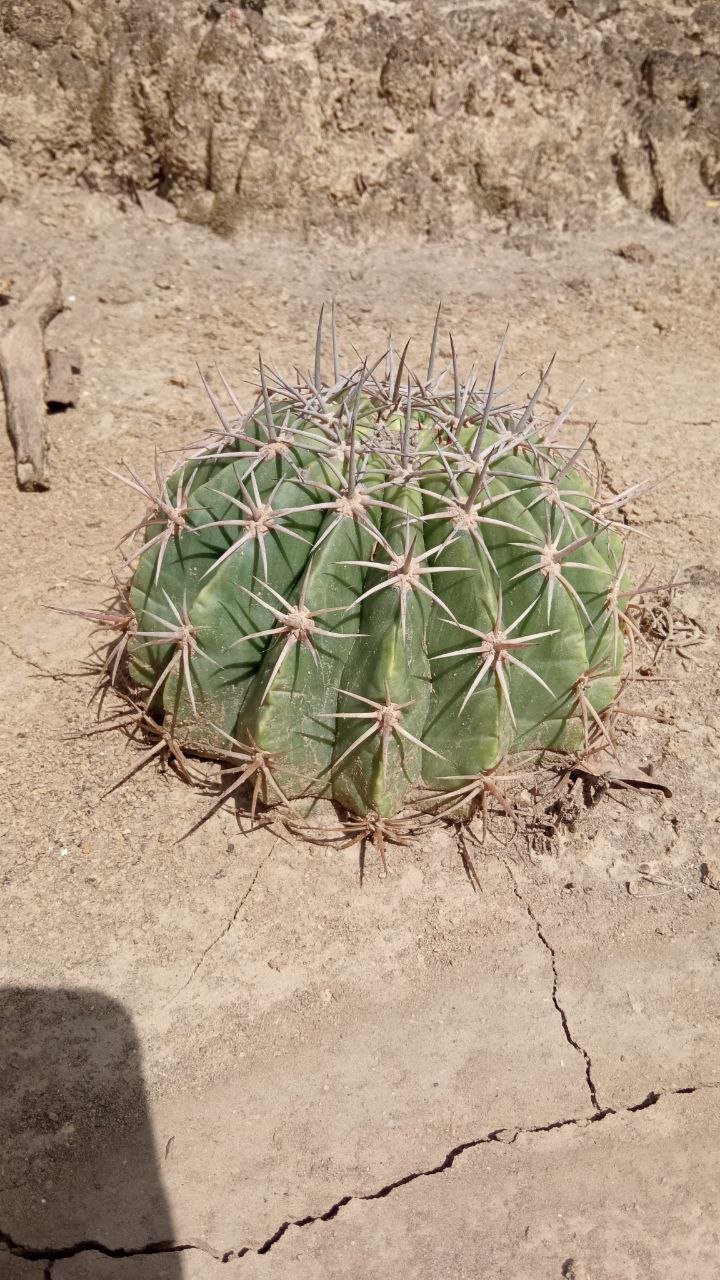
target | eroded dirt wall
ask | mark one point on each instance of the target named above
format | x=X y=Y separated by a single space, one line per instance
x=405 y=116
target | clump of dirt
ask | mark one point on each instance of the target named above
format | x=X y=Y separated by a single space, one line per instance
x=385 y=116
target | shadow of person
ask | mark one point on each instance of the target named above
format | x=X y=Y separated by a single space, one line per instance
x=78 y=1165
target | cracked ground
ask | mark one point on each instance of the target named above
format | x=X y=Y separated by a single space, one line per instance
x=224 y=1057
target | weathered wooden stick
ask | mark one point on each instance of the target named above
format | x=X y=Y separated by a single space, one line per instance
x=23 y=373
x=63 y=385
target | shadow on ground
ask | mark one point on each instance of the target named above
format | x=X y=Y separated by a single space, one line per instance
x=78 y=1165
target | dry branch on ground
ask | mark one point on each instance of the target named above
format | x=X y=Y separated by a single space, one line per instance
x=23 y=374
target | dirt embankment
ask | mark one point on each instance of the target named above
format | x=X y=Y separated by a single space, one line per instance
x=409 y=116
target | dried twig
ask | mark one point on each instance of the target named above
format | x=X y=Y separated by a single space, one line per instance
x=23 y=374
x=598 y=781
x=63 y=385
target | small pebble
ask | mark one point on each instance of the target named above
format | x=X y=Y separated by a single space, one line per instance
x=635 y=252
x=710 y=875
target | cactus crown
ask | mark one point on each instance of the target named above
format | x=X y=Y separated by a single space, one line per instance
x=376 y=589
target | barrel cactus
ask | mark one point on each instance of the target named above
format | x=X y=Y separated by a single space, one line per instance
x=377 y=588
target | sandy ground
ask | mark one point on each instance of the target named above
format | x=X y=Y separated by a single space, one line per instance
x=224 y=1056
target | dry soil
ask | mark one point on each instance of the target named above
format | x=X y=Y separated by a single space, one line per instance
x=226 y=1057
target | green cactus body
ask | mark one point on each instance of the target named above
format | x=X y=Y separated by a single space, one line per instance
x=384 y=591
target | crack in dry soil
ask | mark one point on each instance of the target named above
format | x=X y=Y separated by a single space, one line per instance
x=50 y=1254
x=225 y=929
x=36 y=666
x=592 y=1089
